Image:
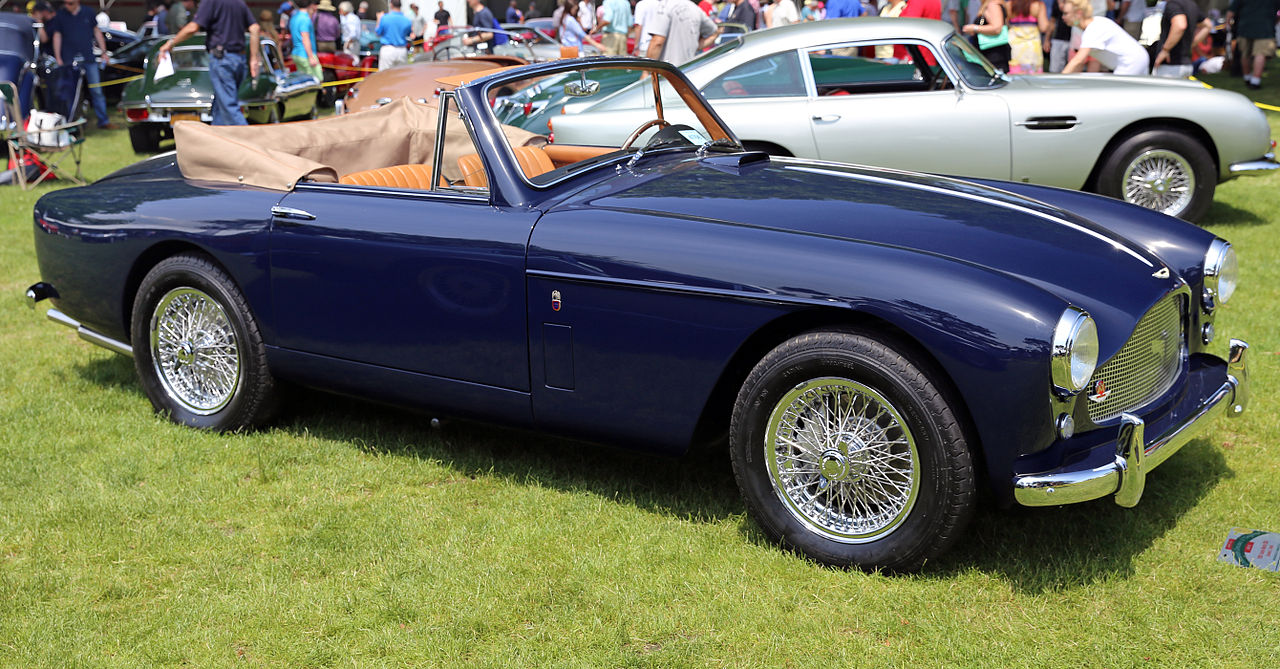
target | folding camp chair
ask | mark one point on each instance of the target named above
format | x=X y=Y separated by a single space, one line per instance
x=44 y=145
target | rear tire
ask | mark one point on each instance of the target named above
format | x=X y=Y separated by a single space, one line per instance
x=846 y=451
x=1161 y=169
x=144 y=138
x=198 y=349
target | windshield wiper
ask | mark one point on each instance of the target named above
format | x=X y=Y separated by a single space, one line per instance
x=724 y=142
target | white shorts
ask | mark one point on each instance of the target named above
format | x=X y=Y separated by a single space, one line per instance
x=391 y=56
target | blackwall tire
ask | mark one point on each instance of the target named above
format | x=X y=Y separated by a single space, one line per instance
x=144 y=139
x=1161 y=169
x=847 y=452
x=197 y=347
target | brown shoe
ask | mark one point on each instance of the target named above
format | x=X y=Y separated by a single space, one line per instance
x=109 y=126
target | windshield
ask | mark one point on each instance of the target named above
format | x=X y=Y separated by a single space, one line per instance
x=673 y=117
x=974 y=68
x=702 y=59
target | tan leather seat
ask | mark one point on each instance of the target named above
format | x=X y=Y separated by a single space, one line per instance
x=532 y=159
x=397 y=176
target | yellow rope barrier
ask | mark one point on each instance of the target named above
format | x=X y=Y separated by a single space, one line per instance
x=352 y=68
x=115 y=81
x=341 y=82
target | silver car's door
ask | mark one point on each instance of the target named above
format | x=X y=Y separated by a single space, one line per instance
x=762 y=99
x=892 y=104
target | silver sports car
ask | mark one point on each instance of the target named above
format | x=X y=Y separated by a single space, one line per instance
x=912 y=94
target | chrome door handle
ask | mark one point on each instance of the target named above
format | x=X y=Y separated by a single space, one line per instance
x=292 y=214
x=827 y=118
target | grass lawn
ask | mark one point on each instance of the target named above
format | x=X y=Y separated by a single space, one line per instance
x=350 y=534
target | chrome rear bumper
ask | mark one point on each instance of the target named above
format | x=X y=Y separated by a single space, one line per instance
x=1264 y=165
x=1126 y=476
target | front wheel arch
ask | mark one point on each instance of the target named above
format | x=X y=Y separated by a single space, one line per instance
x=713 y=422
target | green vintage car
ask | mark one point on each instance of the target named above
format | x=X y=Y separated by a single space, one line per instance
x=152 y=106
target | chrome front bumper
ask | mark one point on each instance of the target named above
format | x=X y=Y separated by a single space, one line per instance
x=1126 y=476
x=1264 y=165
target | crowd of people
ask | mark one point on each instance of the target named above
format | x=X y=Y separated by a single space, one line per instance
x=1018 y=36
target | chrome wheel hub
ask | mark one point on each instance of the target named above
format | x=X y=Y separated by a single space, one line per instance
x=194 y=351
x=842 y=460
x=1160 y=179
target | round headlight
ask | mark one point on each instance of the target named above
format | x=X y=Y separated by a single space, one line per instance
x=1221 y=273
x=1075 y=350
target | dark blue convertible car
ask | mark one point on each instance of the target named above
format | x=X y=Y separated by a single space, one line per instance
x=876 y=346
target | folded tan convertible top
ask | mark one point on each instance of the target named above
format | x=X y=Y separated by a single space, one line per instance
x=278 y=156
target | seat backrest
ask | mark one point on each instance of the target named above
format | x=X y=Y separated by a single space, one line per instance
x=473 y=170
x=532 y=159
x=415 y=176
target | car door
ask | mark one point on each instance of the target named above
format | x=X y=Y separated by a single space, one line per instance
x=762 y=99
x=892 y=104
x=426 y=280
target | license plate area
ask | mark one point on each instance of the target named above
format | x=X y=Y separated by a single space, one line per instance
x=183 y=116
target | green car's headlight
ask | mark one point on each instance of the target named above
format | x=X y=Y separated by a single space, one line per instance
x=1221 y=274
x=1075 y=350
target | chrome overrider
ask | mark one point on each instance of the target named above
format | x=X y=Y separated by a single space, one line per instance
x=41 y=291
x=1126 y=476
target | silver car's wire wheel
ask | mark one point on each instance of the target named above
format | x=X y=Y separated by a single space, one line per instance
x=842 y=460
x=194 y=350
x=1160 y=179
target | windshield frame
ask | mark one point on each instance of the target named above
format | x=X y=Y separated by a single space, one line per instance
x=997 y=78
x=711 y=121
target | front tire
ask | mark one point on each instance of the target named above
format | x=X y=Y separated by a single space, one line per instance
x=1164 y=170
x=198 y=349
x=847 y=452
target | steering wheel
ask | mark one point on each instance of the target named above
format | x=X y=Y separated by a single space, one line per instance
x=635 y=134
x=447 y=53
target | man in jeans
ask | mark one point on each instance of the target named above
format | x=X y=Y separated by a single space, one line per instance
x=225 y=22
x=75 y=30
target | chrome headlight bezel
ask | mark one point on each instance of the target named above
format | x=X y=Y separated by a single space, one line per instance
x=1074 y=356
x=1221 y=274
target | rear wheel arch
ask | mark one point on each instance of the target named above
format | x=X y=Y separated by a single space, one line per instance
x=713 y=422
x=1192 y=130
x=148 y=259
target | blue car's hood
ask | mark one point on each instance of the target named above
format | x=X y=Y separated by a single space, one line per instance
x=1084 y=263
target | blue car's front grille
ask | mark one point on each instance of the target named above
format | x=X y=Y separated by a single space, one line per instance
x=1146 y=366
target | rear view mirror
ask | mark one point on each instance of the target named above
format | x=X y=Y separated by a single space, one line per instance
x=583 y=88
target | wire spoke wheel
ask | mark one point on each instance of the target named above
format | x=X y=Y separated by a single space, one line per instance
x=194 y=350
x=1160 y=179
x=842 y=460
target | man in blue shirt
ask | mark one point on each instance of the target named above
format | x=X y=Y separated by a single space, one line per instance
x=75 y=30
x=843 y=9
x=225 y=21
x=302 y=33
x=393 y=29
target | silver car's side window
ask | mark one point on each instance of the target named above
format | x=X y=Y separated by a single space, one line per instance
x=773 y=76
x=876 y=68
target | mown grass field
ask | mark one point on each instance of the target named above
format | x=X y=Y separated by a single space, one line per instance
x=353 y=535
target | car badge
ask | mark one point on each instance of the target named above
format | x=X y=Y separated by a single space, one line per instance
x=1162 y=273
x=555 y=300
x=1099 y=392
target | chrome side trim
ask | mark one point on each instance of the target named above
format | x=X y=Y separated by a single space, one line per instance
x=89 y=335
x=1125 y=477
x=1264 y=165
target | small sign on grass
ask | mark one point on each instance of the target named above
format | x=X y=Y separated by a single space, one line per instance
x=1251 y=548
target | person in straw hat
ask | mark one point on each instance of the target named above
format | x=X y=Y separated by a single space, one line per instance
x=328 y=28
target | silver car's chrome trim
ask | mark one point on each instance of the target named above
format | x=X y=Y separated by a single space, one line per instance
x=89 y=335
x=1264 y=165
x=1125 y=477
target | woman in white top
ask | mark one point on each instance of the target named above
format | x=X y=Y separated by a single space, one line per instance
x=1105 y=41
